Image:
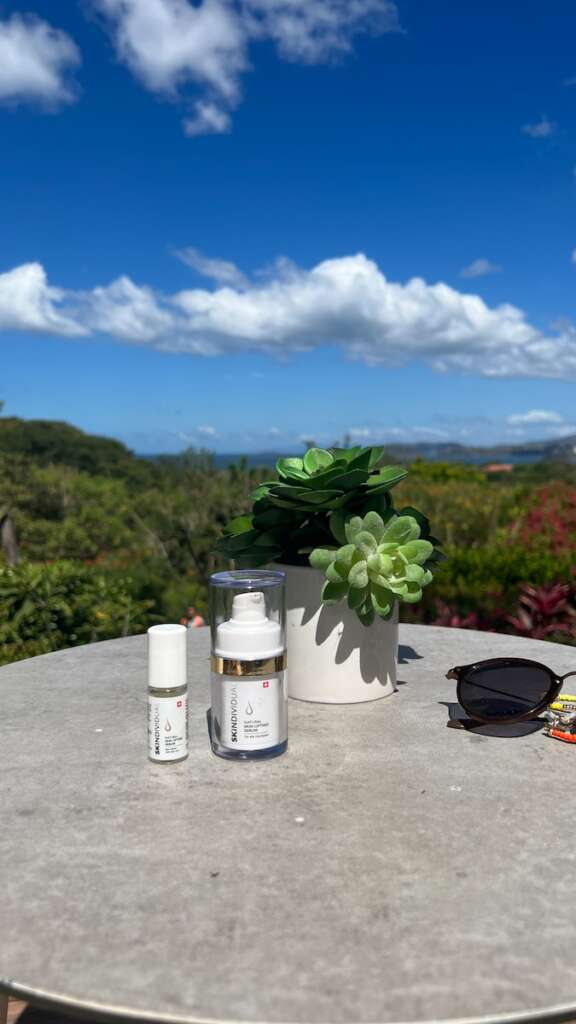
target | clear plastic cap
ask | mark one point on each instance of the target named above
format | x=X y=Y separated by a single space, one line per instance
x=247 y=614
x=167 y=656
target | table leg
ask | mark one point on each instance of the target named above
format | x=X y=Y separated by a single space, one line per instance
x=3 y=1008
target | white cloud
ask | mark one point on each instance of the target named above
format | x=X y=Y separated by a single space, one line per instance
x=480 y=268
x=35 y=59
x=28 y=303
x=542 y=129
x=169 y=43
x=346 y=302
x=206 y=431
x=222 y=271
x=312 y=31
x=126 y=311
x=172 y=44
x=535 y=416
x=208 y=119
x=573 y=256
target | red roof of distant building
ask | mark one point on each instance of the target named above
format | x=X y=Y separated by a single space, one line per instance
x=499 y=467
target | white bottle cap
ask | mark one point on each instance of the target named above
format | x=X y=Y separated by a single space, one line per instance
x=167 y=656
x=249 y=635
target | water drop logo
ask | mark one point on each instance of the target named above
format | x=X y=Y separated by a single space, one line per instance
x=167 y=727
x=249 y=710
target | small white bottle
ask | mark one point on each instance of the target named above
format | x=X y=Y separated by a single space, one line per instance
x=249 y=715
x=167 y=694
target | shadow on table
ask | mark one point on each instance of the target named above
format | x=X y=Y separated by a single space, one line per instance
x=457 y=719
x=406 y=654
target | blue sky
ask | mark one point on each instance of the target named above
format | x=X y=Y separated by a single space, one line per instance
x=240 y=223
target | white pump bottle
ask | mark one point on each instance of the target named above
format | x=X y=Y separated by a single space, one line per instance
x=249 y=686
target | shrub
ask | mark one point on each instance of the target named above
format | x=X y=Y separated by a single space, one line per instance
x=47 y=607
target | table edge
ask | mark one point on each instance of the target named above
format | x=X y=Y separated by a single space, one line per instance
x=105 y=1012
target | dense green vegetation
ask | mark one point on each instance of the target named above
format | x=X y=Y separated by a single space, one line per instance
x=108 y=543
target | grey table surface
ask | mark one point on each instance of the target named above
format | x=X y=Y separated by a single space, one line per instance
x=385 y=869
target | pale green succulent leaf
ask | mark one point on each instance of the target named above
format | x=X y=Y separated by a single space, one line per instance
x=352 y=528
x=416 y=551
x=382 y=602
x=374 y=563
x=358 y=575
x=401 y=530
x=291 y=468
x=317 y=459
x=365 y=542
x=374 y=524
x=345 y=555
x=321 y=558
x=385 y=563
x=346 y=454
x=336 y=573
x=413 y=594
x=414 y=573
x=397 y=586
x=387 y=548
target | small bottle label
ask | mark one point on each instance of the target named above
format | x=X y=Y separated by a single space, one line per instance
x=252 y=713
x=167 y=727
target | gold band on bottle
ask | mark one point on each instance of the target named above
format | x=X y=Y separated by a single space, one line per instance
x=234 y=667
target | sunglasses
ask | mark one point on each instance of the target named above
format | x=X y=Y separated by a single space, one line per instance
x=506 y=689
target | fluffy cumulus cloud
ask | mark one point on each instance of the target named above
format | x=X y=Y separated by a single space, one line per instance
x=35 y=61
x=28 y=303
x=346 y=302
x=171 y=44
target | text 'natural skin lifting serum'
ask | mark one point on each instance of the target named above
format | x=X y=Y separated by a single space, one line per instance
x=249 y=719
x=167 y=694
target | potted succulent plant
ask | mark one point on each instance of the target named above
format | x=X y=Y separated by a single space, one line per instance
x=350 y=559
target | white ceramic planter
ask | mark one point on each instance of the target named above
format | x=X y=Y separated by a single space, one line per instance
x=332 y=657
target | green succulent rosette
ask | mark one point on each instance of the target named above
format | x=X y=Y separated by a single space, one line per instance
x=383 y=561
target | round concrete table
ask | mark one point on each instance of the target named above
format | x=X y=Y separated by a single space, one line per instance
x=386 y=869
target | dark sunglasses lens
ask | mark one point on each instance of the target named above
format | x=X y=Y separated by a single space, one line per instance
x=501 y=692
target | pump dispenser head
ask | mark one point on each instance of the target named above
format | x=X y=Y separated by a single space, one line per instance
x=249 y=634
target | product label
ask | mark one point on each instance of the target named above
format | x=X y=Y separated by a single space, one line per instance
x=167 y=727
x=253 y=714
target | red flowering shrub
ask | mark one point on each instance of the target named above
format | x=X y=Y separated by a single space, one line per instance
x=543 y=613
x=550 y=520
